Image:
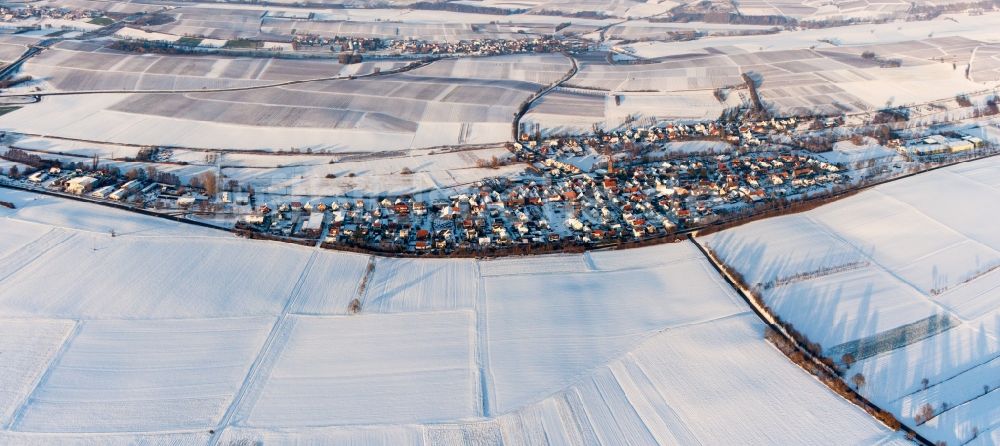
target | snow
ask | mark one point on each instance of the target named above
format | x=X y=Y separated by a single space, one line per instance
x=856 y=304
x=715 y=382
x=102 y=277
x=763 y=395
x=545 y=330
x=545 y=264
x=56 y=212
x=380 y=436
x=92 y=439
x=138 y=34
x=133 y=376
x=370 y=369
x=17 y=234
x=163 y=336
x=331 y=283
x=400 y=285
x=27 y=347
x=874 y=267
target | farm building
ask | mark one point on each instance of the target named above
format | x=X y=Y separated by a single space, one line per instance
x=80 y=185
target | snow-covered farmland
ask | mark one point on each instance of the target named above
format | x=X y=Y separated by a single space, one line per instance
x=27 y=347
x=135 y=376
x=468 y=101
x=557 y=326
x=399 y=285
x=369 y=369
x=904 y=278
x=153 y=336
x=84 y=66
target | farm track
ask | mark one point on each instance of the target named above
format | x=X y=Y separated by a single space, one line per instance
x=270 y=344
x=516 y=126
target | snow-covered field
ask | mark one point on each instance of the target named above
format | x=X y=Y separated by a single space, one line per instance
x=904 y=277
x=467 y=101
x=84 y=66
x=157 y=337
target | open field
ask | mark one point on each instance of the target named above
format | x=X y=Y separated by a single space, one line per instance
x=469 y=101
x=170 y=335
x=88 y=66
x=905 y=275
x=793 y=81
x=212 y=23
x=370 y=369
x=134 y=376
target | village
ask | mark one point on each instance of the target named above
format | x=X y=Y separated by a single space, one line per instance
x=605 y=188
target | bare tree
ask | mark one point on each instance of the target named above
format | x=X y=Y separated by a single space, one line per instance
x=847 y=359
x=210 y=182
x=924 y=414
x=858 y=380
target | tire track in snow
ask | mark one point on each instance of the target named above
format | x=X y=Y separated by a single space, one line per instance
x=250 y=382
x=24 y=256
x=22 y=405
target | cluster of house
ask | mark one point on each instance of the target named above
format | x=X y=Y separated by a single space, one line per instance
x=739 y=134
x=484 y=47
x=106 y=186
x=339 y=43
x=29 y=10
x=633 y=203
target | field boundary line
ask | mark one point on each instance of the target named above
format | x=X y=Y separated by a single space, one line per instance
x=252 y=376
x=18 y=413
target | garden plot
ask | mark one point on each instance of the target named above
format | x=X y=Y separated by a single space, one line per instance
x=27 y=345
x=922 y=308
x=101 y=277
x=369 y=369
x=136 y=376
x=547 y=330
x=409 y=285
